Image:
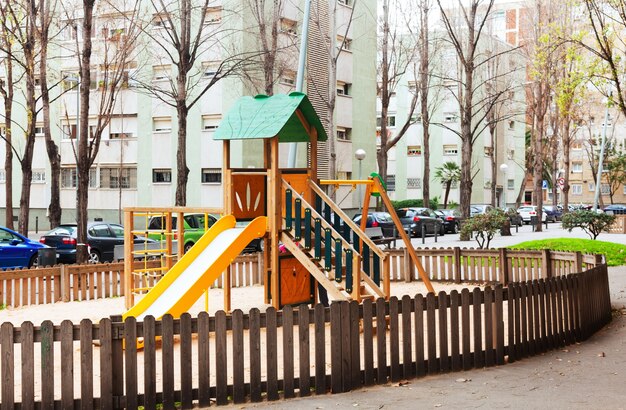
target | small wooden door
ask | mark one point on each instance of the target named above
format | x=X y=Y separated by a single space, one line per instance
x=296 y=283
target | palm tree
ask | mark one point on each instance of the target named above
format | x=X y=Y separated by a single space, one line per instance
x=447 y=174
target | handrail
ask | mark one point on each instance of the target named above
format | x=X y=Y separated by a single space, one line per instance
x=366 y=239
x=325 y=224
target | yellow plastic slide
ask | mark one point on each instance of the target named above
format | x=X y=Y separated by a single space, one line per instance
x=184 y=284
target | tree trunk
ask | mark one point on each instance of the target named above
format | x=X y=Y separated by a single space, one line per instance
x=8 y=155
x=522 y=189
x=445 y=199
x=54 y=157
x=83 y=161
x=182 y=171
x=423 y=75
x=538 y=168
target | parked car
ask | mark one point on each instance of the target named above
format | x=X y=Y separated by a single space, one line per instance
x=480 y=209
x=528 y=211
x=381 y=219
x=102 y=237
x=553 y=213
x=193 y=228
x=413 y=219
x=451 y=219
x=615 y=209
x=514 y=217
x=16 y=250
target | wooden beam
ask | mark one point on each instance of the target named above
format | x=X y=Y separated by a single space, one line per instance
x=305 y=123
x=129 y=244
x=158 y=210
x=274 y=211
x=403 y=235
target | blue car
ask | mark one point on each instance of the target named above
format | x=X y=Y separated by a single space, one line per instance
x=17 y=251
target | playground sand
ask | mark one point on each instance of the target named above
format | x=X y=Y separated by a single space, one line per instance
x=244 y=298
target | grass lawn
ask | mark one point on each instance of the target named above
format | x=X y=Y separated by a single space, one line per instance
x=615 y=253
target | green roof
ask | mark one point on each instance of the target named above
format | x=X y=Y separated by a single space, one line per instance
x=265 y=116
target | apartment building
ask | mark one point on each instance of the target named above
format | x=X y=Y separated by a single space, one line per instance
x=406 y=165
x=136 y=162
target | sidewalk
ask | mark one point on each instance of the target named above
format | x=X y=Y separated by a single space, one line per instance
x=581 y=376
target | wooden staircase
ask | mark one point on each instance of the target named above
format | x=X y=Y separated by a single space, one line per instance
x=347 y=264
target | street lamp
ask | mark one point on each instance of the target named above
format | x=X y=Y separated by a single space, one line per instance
x=359 y=154
x=504 y=168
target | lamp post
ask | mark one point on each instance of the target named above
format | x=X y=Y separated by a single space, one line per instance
x=359 y=154
x=504 y=168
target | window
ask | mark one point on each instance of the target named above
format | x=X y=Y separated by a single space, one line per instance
x=70 y=80
x=288 y=26
x=510 y=184
x=577 y=145
x=162 y=124
x=161 y=21
x=414 y=183
x=347 y=43
x=577 y=167
x=592 y=187
x=120 y=135
x=3 y=176
x=344 y=88
x=414 y=150
x=210 y=122
x=213 y=15
x=69 y=131
x=68 y=178
x=449 y=117
x=488 y=151
x=391 y=182
x=161 y=176
x=605 y=189
x=38 y=177
x=288 y=78
x=210 y=68
x=116 y=178
x=391 y=120
x=450 y=150
x=344 y=175
x=511 y=125
x=344 y=134
x=161 y=73
x=39 y=131
x=577 y=189
x=211 y=175
x=345 y=2
x=100 y=231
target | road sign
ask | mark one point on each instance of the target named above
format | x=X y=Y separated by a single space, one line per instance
x=560 y=182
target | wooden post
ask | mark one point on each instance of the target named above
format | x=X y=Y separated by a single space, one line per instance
x=65 y=284
x=457 y=264
x=129 y=300
x=504 y=268
x=578 y=262
x=274 y=211
x=403 y=235
x=546 y=263
x=406 y=263
x=356 y=277
x=180 y=231
x=386 y=277
x=169 y=259
x=227 y=285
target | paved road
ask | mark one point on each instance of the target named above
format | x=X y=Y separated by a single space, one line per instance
x=524 y=233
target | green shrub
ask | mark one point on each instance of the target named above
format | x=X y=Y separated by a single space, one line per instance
x=484 y=226
x=415 y=203
x=589 y=221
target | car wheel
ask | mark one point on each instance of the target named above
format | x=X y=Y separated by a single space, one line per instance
x=261 y=245
x=94 y=256
x=188 y=246
x=455 y=228
x=442 y=230
x=34 y=261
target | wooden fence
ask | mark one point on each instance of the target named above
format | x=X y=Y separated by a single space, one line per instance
x=620 y=224
x=294 y=352
x=67 y=283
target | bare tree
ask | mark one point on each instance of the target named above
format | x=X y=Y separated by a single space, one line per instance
x=7 y=90
x=181 y=34
x=465 y=27
x=397 y=54
x=112 y=54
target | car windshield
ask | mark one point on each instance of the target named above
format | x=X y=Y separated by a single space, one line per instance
x=383 y=217
x=6 y=236
x=405 y=213
x=63 y=230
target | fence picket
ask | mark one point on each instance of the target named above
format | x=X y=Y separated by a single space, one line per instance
x=320 y=349
x=186 y=387
x=149 y=363
x=304 y=384
x=490 y=359
x=444 y=360
x=47 y=364
x=355 y=346
x=335 y=348
x=288 y=363
x=381 y=342
x=130 y=361
x=67 y=370
x=499 y=310
x=394 y=339
x=7 y=364
x=408 y=370
x=431 y=340
x=466 y=324
x=524 y=319
x=455 y=351
x=368 y=343
x=221 y=359
x=420 y=365
x=255 y=355
x=271 y=344
x=167 y=356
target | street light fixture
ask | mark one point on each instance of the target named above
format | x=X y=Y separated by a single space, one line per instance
x=359 y=154
x=504 y=168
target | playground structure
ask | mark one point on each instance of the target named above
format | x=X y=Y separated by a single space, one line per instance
x=324 y=245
